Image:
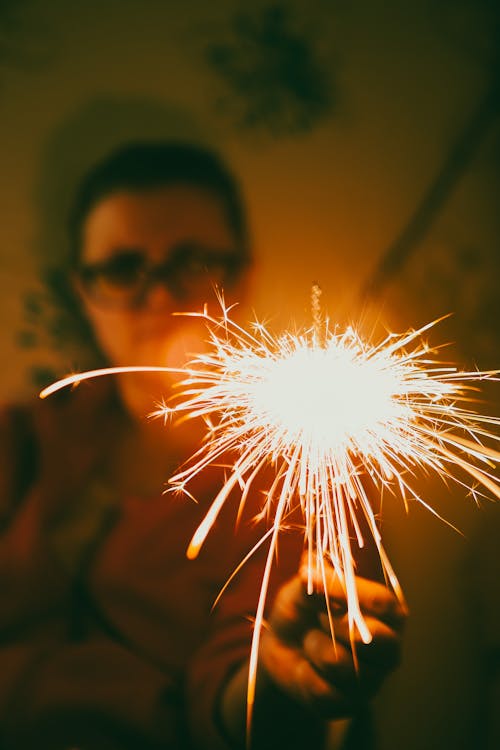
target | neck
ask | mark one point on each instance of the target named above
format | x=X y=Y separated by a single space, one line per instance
x=141 y=396
x=147 y=451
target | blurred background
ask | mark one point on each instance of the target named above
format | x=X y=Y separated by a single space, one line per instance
x=367 y=138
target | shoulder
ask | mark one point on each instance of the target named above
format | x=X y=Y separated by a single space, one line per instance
x=17 y=451
x=54 y=425
x=16 y=425
x=71 y=413
x=34 y=418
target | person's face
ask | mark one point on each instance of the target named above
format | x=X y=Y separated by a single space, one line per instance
x=147 y=254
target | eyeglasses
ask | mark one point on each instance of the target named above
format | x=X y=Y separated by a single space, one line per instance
x=190 y=272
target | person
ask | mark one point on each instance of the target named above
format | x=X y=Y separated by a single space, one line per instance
x=108 y=641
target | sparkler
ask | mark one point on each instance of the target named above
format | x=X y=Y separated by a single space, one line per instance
x=336 y=417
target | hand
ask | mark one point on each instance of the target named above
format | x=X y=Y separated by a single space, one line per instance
x=300 y=656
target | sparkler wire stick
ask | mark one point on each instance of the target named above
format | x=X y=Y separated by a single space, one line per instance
x=80 y=376
x=336 y=418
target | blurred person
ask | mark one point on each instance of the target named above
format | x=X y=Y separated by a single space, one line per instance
x=108 y=641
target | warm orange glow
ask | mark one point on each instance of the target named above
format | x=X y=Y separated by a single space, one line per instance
x=333 y=415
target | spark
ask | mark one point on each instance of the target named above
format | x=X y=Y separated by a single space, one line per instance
x=339 y=419
x=333 y=415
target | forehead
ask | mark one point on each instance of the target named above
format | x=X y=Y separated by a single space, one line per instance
x=155 y=221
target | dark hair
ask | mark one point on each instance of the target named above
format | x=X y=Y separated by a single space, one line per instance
x=142 y=166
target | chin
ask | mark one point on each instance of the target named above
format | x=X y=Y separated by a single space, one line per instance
x=172 y=350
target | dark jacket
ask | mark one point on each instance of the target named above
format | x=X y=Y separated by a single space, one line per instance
x=107 y=638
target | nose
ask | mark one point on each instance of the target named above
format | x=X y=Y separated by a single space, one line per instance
x=157 y=297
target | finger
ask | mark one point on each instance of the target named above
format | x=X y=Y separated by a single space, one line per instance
x=296 y=676
x=374 y=598
x=335 y=663
x=323 y=696
x=347 y=631
x=328 y=582
x=377 y=600
x=384 y=649
x=330 y=658
x=293 y=611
